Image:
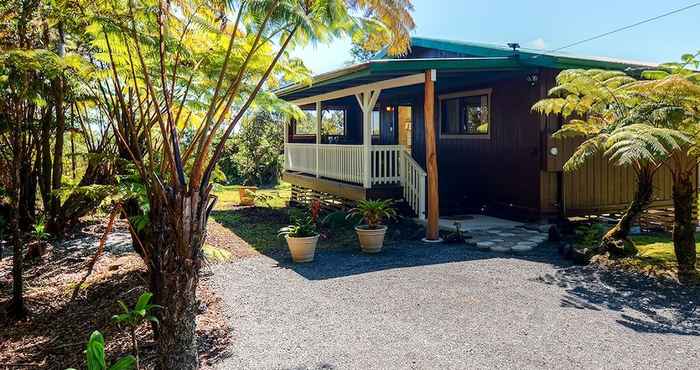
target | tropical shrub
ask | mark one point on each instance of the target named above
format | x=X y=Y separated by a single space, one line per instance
x=259 y=145
x=300 y=227
x=374 y=212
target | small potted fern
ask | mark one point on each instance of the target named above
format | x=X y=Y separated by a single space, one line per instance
x=302 y=238
x=374 y=213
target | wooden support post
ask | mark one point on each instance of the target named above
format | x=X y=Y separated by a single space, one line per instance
x=318 y=136
x=367 y=100
x=286 y=141
x=432 y=230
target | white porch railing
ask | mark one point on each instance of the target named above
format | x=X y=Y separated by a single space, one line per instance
x=300 y=157
x=389 y=164
x=413 y=182
x=385 y=164
x=341 y=162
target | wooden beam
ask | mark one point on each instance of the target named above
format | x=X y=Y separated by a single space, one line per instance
x=318 y=136
x=431 y=232
x=380 y=85
x=366 y=139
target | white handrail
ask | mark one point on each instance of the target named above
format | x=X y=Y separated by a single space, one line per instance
x=413 y=182
x=390 y=164
x=385 y=164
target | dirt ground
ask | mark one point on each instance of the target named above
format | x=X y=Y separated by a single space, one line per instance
x=56 y=330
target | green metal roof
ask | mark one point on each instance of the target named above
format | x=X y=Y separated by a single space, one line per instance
x=473 y=57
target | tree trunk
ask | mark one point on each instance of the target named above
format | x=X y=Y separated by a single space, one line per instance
x=27 y=200
x=17 y=308
x=55 y=220
x=174 y=240
x=616 y=241
x=684 y=201
x=45 y=150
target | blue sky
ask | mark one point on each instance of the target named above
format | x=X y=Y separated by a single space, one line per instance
x=546 y=24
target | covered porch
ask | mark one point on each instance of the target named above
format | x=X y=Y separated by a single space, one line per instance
x=356 y=145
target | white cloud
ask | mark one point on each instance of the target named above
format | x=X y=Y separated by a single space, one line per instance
x=537 y=43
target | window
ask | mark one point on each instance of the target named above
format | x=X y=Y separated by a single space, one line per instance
x=465 y=114
x=375 y=123
x=333 y=122
x=306 y=125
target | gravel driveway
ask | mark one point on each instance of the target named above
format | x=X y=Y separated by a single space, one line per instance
x=418 y=306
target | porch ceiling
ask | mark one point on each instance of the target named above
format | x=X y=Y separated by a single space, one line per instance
x=380 y=70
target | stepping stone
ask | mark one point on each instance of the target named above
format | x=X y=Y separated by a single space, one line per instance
x=500 y=249
x=522 y=247
x=484 y=245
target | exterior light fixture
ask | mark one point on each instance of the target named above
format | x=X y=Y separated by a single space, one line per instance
x=532 y=78
x=554 y=151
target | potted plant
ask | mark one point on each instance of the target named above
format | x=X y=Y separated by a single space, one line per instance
x=302 y=238
x=374 y=213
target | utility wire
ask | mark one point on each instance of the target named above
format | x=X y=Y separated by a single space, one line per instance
x=627 y=27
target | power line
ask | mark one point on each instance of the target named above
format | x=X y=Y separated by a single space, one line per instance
x=627 y=27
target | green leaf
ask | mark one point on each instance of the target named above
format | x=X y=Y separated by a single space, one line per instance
x=655 y=75
x=153 y=319
x=143 y=301
x=95 y=352
x=125 y=363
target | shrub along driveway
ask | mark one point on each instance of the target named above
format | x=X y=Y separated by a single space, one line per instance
x=448 y=307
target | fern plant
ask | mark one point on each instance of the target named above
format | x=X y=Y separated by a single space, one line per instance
x=605 y=109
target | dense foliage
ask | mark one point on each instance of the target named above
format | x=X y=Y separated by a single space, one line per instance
x=145 y=94
x=644 y=124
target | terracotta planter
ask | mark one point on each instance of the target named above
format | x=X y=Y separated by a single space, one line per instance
x=371 y=240
x=302 y=249
x=246 y=199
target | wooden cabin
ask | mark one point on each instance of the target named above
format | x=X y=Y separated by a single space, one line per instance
x=364 y=134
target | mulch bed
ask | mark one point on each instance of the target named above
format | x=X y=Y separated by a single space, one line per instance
x=56 y=330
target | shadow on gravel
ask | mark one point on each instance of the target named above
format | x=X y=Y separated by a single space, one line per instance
x=646 y=304
x=334 y=263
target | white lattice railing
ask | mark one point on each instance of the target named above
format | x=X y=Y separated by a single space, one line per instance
x=413 y=182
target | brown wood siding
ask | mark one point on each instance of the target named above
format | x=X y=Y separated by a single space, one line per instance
x=598 y=186
x=502 y=171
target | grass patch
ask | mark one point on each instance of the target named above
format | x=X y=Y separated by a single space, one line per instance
x=275 y=197
x=258 y=226
x=656 y=253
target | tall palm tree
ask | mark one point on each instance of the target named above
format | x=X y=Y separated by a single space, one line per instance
x=198 y=66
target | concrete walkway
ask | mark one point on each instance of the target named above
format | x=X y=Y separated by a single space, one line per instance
x=452 y=307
